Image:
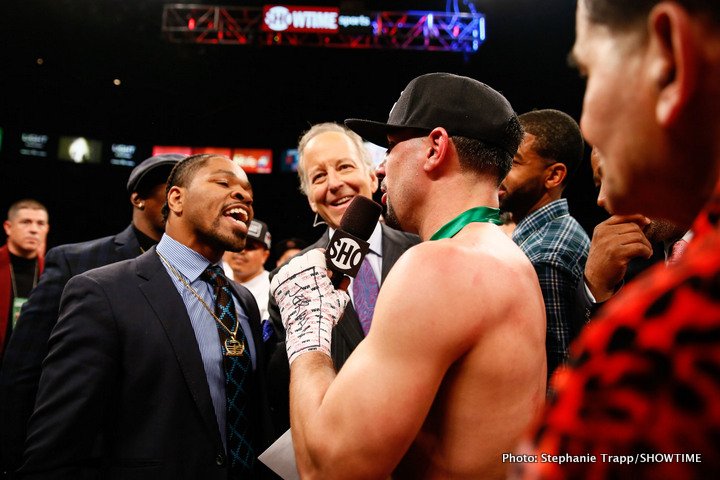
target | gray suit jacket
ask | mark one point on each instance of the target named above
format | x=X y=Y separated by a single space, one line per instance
x=346 y=335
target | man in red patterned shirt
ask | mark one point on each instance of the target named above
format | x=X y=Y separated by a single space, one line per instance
x=641 y=398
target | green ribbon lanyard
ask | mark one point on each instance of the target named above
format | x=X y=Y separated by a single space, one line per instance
x=477 y=214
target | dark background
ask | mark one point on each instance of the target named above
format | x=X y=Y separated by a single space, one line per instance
x=242 y=96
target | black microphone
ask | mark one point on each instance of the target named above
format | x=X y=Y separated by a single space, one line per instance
x=348 y=246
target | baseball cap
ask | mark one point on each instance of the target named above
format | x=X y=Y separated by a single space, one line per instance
x=258 y=231
x=461 y=105
x=154 y=167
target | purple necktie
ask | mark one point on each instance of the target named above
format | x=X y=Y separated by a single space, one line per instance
x=365 y=292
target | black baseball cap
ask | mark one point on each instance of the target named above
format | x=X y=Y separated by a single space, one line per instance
x=461 y=105
x=155 y=168
x=258 y=231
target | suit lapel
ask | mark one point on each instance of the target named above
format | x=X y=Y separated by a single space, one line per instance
x=390 y=253
x=349 y=326
x=172 y=314
x=126 y=243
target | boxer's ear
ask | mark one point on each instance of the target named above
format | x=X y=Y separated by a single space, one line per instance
x=437 y=149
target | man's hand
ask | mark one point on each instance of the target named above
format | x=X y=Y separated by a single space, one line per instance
x=614 y=243
x=309 y=305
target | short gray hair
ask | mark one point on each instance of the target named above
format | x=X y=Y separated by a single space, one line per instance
x=320 y=128
x=28 y=203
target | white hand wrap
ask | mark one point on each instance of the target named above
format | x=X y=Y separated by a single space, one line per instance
x=309 y=304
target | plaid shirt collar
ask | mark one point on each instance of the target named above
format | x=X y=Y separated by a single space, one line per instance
x=539 y=218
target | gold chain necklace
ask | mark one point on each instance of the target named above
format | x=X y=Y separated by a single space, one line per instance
x=233 y=347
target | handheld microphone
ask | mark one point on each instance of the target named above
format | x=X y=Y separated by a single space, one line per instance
x=348 y=245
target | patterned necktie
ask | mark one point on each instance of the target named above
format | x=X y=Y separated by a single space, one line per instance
x=238 y=370
x=365 y=292
x=676 y=252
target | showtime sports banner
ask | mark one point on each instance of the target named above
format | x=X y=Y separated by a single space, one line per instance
x=289 y=18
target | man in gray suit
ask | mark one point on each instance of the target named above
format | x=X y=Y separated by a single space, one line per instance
x=334 y=167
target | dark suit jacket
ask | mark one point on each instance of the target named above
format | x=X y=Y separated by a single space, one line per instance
x=28 y=346
x=6 y=292
x=124 y=367
x=346 y=335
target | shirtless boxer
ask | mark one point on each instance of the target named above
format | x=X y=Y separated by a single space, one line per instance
x=453 y=368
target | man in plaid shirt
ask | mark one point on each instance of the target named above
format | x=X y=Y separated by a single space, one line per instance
x=554 y=242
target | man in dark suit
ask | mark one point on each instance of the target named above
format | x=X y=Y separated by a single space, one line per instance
x=159 y=357
x=21 y=369
x=334 y=166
